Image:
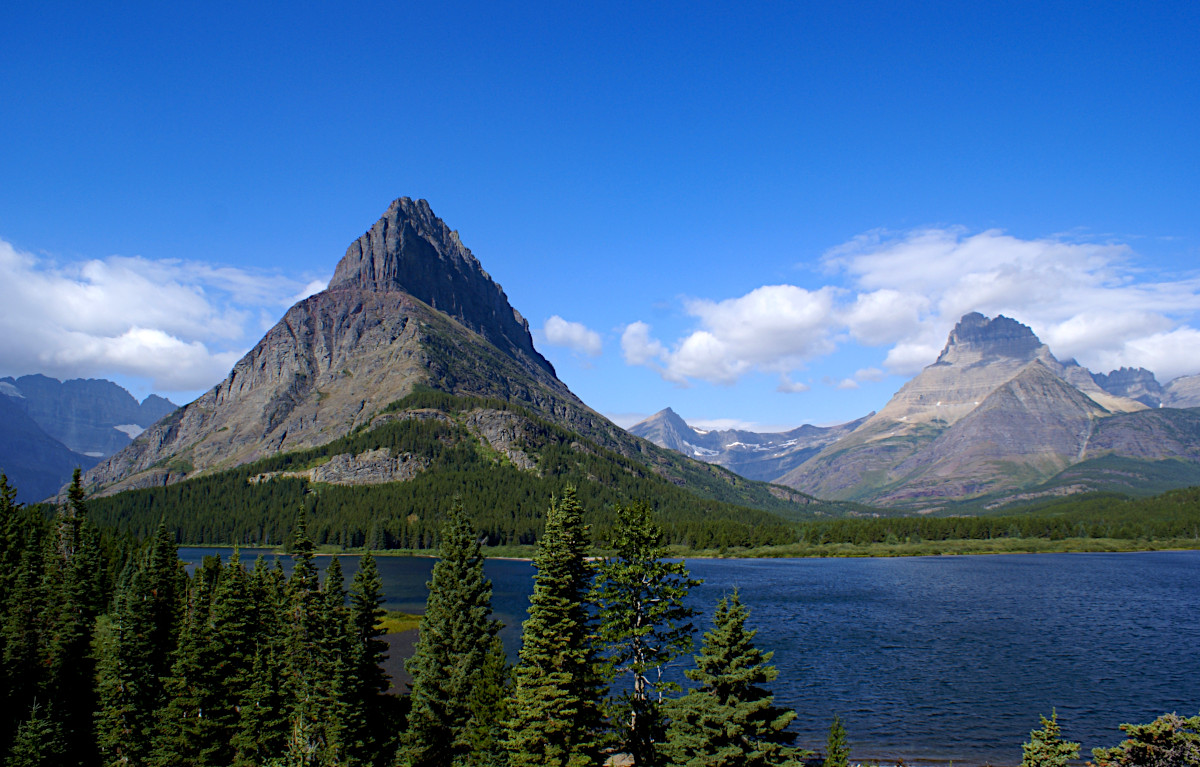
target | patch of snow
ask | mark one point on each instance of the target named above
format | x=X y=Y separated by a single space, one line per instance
x=697 y=450
x=11 y=391
x=131 y=430
x=94 y=454
x=700 y=431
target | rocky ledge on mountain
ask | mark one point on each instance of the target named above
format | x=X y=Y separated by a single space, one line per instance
x=373 y=467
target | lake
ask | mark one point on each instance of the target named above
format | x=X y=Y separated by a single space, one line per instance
x=932 y=659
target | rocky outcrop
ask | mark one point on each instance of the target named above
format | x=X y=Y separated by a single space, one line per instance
x=374 y=467
x=1134 y=383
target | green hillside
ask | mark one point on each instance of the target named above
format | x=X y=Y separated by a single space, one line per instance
x=699 y=505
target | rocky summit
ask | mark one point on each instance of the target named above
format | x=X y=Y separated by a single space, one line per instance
x=997 y=414
x=408 y=306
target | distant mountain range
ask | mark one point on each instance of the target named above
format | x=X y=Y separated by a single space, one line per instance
x=49 y=427
x=996 y=418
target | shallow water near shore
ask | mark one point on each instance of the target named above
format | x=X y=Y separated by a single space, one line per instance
x=932 y=659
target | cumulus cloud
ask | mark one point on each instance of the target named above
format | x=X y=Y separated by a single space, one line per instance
x=903 y=292
x=572 y=335
x=1090 y=301
x=773 y=328
x=179 y=324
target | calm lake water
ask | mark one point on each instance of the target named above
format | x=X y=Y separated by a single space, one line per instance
x=932 y=659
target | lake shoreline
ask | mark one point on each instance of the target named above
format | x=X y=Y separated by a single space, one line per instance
x=956 y=547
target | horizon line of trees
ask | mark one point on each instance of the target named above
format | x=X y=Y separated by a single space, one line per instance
x=112 y=654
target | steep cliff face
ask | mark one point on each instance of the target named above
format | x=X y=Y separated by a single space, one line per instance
x=412 y=251
x=408 y=306
x=1135 y=383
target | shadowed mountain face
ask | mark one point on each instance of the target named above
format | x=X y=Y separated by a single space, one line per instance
x=49 y=427
x=760 y=456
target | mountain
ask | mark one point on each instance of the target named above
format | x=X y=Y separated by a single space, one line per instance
x=49 y=427
x=409 y=313
x=1182 y=392
x=760 y=456
x=36 y=464
x=997 y=414
x=94 y=417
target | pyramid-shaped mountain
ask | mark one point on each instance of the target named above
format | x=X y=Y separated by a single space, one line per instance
x=408 y=307
x=998 y=414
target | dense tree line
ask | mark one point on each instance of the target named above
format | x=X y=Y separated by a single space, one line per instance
x=505 y=503
x=1175 y=514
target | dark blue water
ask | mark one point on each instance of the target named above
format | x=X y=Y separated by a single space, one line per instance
x=940 y=658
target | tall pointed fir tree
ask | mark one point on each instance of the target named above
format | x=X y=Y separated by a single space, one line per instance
x=315 y=715
x=644 y=625
x=456 y=633
x=366 y=733
x=76 y=575
x=262 y=726
x=555 y=710
x=729 y=719
x=133 y=647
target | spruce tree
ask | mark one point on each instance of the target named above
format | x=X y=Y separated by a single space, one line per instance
x=39 y=741
x=368 y=682
x=730 y=719
x=1046 y=748
x=837 y=750
x=644 y=625
x=262 y=718
x=555 y=716
x=456 y=633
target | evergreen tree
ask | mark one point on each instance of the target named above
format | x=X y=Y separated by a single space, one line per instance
x=490 y=710
x=837 y=750
x=74 y=593
x=39 y=741
x=1169 y=741
x=1046 y=748
x=133 y=647
x=262 y=726
x=730 y=718
x=366 y=719
x=555 y=717
x=456 y=634
x=315 y=715
x=644 y=625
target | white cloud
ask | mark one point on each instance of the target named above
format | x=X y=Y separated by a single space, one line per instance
x=638 y=347
x=905 y=292
x=179 y=324
x=847 y=383
x=788 y=386
x=572 y=335
x=1085 y=300
x=775 y=328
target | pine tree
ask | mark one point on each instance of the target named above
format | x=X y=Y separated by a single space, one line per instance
x=262 y=726
x=312 y=681
x=644 y=625
x=39 y=741
x=1169 y=741
x=366 y=719
x=456 y=634
x=555 y=719
x=730 y=718
x=837 y=750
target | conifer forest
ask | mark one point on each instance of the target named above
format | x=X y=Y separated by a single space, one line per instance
x=113 y=654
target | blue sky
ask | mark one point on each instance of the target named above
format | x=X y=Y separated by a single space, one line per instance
x=768 y=214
